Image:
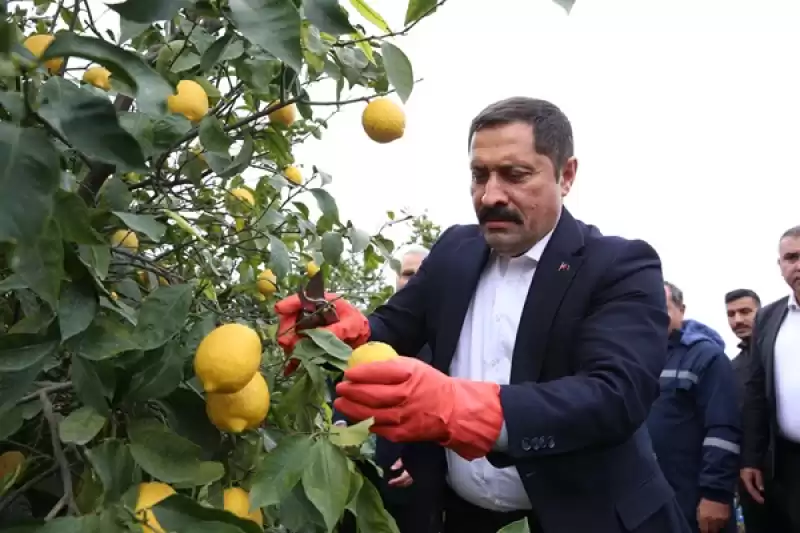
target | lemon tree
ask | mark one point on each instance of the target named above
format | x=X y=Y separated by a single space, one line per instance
x=152 y=211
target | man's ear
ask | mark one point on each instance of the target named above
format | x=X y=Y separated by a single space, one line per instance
x=568 y=174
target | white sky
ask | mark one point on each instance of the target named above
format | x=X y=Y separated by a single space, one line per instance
x=684 y=114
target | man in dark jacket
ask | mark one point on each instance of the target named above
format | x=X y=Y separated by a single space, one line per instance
x=741 y=306
x=695 y=422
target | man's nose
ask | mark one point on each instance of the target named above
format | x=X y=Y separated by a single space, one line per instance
x=494 y=192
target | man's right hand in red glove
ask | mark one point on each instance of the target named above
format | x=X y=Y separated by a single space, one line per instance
x=352 y=327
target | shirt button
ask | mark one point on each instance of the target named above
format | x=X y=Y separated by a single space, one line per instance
x=551 y=443
x=526 y=444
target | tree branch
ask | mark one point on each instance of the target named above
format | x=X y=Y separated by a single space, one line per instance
x=58 y=451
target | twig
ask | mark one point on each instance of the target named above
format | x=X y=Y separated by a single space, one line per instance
x=55 y=387
x=58 y=452
x=56 y=508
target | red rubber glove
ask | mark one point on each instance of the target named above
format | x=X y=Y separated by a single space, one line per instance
x=352 y=327
x=412 y=401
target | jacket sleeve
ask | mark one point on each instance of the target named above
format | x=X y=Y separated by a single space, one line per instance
x=755 y=419
x=717 y=399
x=620 y=349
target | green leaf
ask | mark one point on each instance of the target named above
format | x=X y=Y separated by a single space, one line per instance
x=330 y=343
x=41 y=263
x=242 y=160
x=566 y=4
x=279 y=258
x=146 y=224
x=398 y=70
x=18 y=352
x=370 y=513
x=280 y=471
x=90 y=124
x=103 y=339
x=213 y=136
x=14 y=385
x=76 y=309
x=151 y=89
x=328 y=16
x=359 y=240
x=169 y=457
x=274 y=25
x=520 y=526
x=112 y=462
x=370 y=15
x=147 y=11
x=81 y=426
x=418 y=9
x=10 y=422
x=352 y=435
x=162 y=315
x=214 y=52
x=328 y=469
x=29 y=178
x=96 y=258
x=326 y=203
x=72 y=215
x=332 y=247
x=183 y=515
x=14 y=104
x=93 y=383
x=162 y=374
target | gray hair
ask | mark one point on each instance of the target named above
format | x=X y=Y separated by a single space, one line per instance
x=791 y=232
x=675 y=293
x=415 y=249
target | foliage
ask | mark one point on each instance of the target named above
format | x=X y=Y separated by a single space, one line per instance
x=97 y=338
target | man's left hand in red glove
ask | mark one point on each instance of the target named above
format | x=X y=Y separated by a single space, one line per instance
x=412 y=401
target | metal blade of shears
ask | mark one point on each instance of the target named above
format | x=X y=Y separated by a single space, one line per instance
x=316 y=311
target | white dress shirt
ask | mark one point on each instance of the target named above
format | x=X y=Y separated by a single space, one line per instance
x=484 y=352
x=787 y=372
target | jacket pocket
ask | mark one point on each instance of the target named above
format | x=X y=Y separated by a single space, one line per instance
x=640 y=504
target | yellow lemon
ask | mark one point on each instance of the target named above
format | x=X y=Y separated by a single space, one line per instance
x=236 y=500
x=267 y=283
x=311 y=268
x=383 y=120
x=260 y=297
x=244 y=409
x=163 y=281
x=293 y=175
x=243 y=195
x=114 y=296
x=151 y=494
x=371 y=352
x=126 y=239
x=37 y=44
x=99 y=77
x=227 y=358
x=285 y=115
x=10 y=462
x=190 y=100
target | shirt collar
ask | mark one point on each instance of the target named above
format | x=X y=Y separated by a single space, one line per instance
x=534 y=253
x=792 y=304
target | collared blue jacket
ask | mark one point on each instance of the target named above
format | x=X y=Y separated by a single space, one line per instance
x=695 y=422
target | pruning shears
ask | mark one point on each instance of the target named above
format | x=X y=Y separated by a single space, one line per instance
x=316 y=311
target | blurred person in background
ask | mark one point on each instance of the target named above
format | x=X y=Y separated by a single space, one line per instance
x=695 y=422
x=741 y=307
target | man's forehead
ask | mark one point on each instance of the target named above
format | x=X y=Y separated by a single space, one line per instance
x=790 y=245
x=745 y=302
x=411 y=260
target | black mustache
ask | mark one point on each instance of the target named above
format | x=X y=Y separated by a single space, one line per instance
x=498 y=213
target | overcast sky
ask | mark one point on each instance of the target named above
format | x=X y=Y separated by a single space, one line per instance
x=685 y=117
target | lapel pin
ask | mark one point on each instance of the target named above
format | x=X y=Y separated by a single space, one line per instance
x=563 y=267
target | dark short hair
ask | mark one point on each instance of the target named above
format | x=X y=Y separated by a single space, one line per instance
x=552 y=130
x=675 y=293
x=791 y=232
x=738 y=294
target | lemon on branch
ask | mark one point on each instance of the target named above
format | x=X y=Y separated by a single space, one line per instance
x=293 y=175
x=227 y=358
x=383 y=120
x=151 y=494
x=236 y=500
x=242 y=195
x=99 y=77
x=190 y=100
x=241 y=410
x=11 y=462
x=267 y=283
x=37 y=44
x=125 y=238
x=285 y=115
x=311 y=268
x=371 y=352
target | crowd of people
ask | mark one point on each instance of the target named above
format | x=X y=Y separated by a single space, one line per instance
x=558 y=379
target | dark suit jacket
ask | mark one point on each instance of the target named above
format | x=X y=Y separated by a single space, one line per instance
x=760 y=422
x=590 y=348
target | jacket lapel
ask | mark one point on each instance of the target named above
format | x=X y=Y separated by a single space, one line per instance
x=772 y=327
x=468 y=263
x=560 y=262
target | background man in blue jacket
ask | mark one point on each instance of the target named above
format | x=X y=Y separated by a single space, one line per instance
x=695 y=423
